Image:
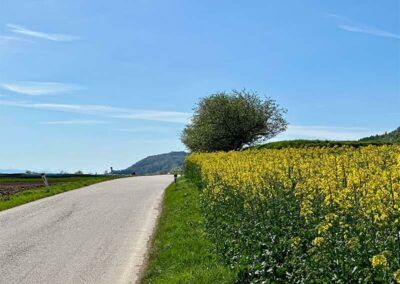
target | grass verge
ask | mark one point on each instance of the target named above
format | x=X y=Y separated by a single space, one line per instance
x=34 y=194
x=180 y=251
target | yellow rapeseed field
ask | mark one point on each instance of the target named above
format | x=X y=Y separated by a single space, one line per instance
x=338 y=190
x=367 y=179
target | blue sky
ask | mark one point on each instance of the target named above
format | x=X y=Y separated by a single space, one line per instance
x=85 y=85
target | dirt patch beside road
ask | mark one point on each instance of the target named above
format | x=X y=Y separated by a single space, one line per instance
x=10 y=188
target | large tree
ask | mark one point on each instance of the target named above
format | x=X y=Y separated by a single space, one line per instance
x=229 y=121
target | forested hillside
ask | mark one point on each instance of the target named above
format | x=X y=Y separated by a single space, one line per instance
x=392 y=137
x=157 y=164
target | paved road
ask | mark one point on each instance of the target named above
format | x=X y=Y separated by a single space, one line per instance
x=97 y=234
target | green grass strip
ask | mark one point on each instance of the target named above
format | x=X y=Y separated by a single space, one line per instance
x=35 y=194
x=181 y=252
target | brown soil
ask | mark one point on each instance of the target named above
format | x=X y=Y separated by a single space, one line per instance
x=10 y=188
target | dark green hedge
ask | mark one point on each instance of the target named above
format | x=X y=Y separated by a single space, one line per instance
x=316 y=143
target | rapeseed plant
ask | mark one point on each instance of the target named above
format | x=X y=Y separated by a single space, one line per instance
x=304 y=215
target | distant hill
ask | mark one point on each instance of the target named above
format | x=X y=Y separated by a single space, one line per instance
x=391 y=137
x=157 y=164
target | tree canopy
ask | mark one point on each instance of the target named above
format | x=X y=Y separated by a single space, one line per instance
x=230 y=121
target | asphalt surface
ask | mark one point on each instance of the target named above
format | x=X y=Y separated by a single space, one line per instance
x=96 y=234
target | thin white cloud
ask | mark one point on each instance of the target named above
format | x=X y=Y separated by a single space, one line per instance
x=38 y=88
x=368 y=30
x=73 y=108
x=348 y=25
x=324 y=132
x=179 y=117
x=105 y=111
x=37 y=34
x=74 y=122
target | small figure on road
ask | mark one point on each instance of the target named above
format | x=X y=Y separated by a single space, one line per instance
x=175 y=177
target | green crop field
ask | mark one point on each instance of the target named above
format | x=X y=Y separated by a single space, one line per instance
x=18 y=190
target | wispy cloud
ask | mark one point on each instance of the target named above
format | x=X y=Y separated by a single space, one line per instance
x=74 y=122
x=179 y=117
x=348 y=25
x=39 y=88
x=37 y=34
x=368 y=30
x=324 y=132
x=83 y=109
x=105 y=111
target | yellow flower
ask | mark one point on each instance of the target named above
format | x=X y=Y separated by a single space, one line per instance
x=396 y=276
x=294 y=242
x=323 y=228
x=379 y=260
x=318 y=241
x=353 y=243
